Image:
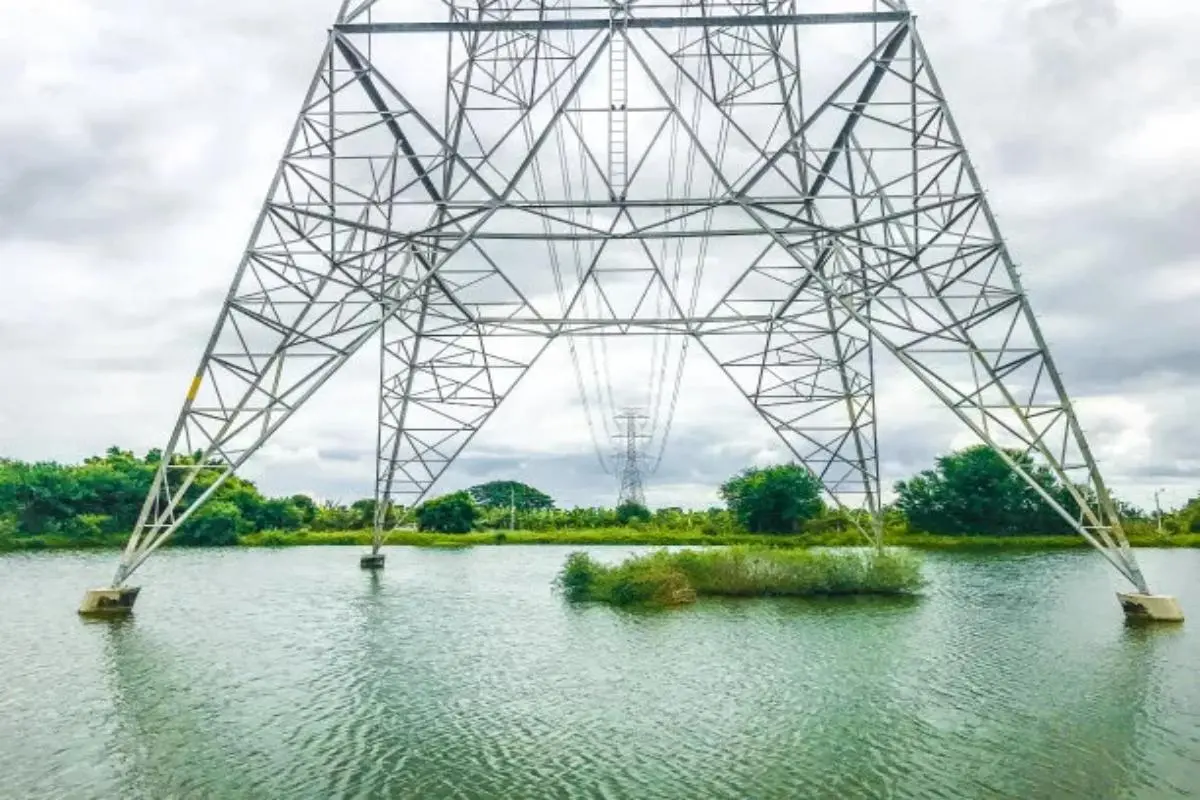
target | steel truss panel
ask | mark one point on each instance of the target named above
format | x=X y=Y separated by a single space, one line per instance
x=795 y=223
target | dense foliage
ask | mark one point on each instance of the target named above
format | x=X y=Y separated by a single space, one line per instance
x=98 y=501
x=451 y=513
x=508 y=494
x=974 y=491
x=630 y=511
x=968 y=493
x=773 y=499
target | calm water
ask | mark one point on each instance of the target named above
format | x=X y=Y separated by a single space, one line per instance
x=256 y=674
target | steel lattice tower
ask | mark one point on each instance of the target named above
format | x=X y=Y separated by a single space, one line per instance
x=630 y=458
x=553 y=164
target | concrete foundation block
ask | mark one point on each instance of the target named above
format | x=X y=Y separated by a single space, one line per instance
x=109 y=602
x=371 y=561
x=1151 y=607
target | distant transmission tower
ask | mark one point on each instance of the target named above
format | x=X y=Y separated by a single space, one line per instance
x=787 y=190
x=630 y=458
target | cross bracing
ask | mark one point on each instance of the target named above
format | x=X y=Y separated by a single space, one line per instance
x=779 y=185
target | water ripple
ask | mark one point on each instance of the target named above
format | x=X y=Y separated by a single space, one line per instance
x=460 y=675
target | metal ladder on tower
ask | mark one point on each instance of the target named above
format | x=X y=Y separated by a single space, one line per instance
x=618 y=98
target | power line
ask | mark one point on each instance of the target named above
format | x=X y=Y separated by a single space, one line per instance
x=698 y=272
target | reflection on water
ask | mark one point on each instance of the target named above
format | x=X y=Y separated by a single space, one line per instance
x=159 y=719
x=459 y=674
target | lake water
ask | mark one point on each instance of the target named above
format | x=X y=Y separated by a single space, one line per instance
x=459 y=674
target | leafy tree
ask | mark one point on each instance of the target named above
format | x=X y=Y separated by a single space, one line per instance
x=278 y=515
x=102 y=497
x=451 y=513
x=671 y=517
x=87 y=528
x=305 y=506
x=333 y=517
x=242 y=493
x=973 y=491
x=500 y=494
x=364 y=514
x=43 y=496
x=215 y=524
x=630 y=511
x=775 y=499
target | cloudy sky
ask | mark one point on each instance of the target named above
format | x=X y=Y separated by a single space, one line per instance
x=137 y=138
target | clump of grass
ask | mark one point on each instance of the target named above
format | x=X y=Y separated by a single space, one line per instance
x=272 y=539
x=575 y=578
x=648 y=580
x=666 y=578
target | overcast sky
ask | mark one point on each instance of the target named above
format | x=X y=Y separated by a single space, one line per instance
x=137 y=139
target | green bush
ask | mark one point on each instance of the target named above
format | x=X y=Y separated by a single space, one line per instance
x=215 y=524
x=279 y=515
x=83 y=528
x=973 y=491
x=452 y=513
x=833 y=522
x=773 y=499
x=628 y=513
x=575 y=579
x=660 y=584
x=637 y=582
x=274 y=539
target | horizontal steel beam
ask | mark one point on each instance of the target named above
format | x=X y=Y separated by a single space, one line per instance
x=623 y=322
x=599 y=23
x=604 y=236
x=689 y=326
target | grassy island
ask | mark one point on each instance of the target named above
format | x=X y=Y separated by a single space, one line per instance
x=665 y=578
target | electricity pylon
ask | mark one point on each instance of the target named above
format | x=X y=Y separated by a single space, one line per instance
x=469 y=181
x=630 y=458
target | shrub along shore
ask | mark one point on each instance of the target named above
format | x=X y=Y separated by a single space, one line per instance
x=970 y=500
x=624 y=536
x=658 y=538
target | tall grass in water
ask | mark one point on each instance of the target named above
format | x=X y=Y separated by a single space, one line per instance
x=665 y=578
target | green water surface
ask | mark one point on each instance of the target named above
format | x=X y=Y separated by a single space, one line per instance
x=458 y=674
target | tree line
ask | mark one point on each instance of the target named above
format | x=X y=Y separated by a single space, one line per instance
x=969 y=492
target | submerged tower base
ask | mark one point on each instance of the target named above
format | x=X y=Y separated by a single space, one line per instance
x=371 y=561
x=110 y=602
x=1151 y=607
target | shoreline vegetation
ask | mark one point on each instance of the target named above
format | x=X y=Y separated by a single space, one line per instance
x=625 y=536
x=971 y=500
x=666 y=578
